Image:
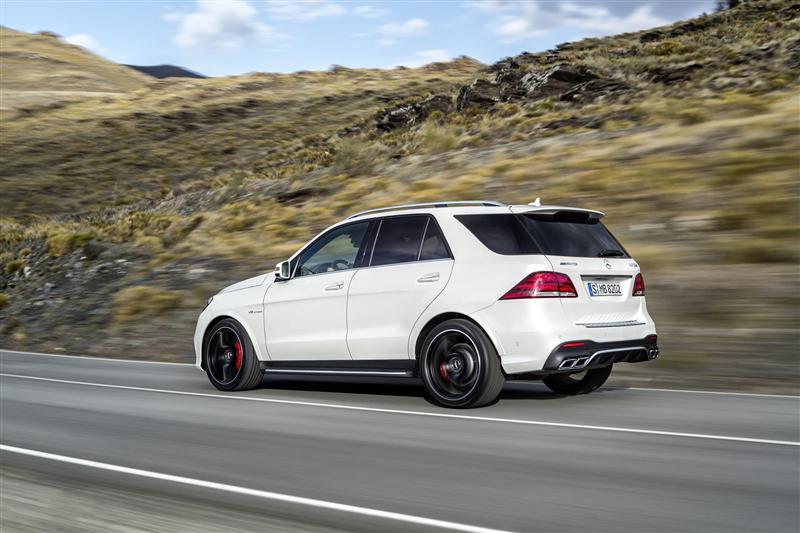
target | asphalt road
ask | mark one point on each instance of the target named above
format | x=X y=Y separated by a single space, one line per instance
x=91 y=443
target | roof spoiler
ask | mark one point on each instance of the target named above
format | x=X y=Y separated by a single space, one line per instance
x=555 y=210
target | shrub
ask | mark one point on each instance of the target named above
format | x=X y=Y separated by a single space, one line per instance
x=3 y=300
x=356 y=156
x=12 y=266
x=132 y=303
x=63 y=242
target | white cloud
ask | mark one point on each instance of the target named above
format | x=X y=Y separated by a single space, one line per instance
x=370 y=12
x=304 y=11
x=86 y=41
x=173 y=16
x=223 y=25
x=531 y=19
x=390 y=33
x=424 y=57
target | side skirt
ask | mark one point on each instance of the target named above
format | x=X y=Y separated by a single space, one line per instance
x=373 y=367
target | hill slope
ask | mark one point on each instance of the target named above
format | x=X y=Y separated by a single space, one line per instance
x=687 y=136
x=40 y=69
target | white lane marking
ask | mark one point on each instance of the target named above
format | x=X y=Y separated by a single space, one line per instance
x=644 y=389
x=415 y=413
x=277 y=496
x=649 y=389
x=93 y=358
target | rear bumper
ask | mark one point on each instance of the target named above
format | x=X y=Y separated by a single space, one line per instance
x=585 y=355
x=577 y=356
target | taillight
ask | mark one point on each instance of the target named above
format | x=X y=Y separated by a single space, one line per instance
x=638 y=285
x=542 y=285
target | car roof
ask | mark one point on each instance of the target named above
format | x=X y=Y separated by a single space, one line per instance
x=469 y=207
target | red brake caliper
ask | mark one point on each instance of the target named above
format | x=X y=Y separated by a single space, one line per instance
x=239 y=354
x=443 y=371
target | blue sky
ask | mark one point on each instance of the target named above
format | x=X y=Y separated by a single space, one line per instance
x=223 y=37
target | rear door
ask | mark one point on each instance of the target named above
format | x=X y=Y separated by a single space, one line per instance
x=603 y=273
x=408 y=267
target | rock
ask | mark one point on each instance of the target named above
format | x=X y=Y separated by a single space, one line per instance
x=479 y=93
x=557 y=80
x=650 y=36
x=93 y=249
x=674 y=74
x=592 y=90
x=435 y=102
x=397 y=117
x=410 y=114
x=26 y=271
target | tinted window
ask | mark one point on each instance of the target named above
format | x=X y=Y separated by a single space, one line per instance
x=399 y=240
x=433 y=246
x=502 y=234
x=336 y=250
x=567 y=235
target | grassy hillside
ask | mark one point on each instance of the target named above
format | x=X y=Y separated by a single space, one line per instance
x=42 y=70
x=687 y=136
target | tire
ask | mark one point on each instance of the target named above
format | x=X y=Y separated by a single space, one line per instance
x=459 y=365
x=229 y=358
x=567 y=384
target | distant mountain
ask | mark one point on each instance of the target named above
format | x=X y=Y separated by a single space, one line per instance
x=166 y=71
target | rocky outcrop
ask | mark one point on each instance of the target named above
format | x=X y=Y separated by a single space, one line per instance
x=674 y=74
x=410 y=114
x=479 y=93
x=557 y=81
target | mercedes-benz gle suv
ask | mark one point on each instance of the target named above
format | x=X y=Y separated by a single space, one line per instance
x=462 y=295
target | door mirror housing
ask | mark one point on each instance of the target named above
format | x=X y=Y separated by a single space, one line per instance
x=283 y=271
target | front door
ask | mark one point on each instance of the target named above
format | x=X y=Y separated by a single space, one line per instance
x=305 y=317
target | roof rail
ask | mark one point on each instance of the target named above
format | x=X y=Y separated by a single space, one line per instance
x=485 y=203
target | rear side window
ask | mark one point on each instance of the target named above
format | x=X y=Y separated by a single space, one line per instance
x=433 y=246
x=574 y=236
x=502 y=234
x=399 y=240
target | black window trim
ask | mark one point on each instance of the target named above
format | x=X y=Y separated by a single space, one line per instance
x=299 y=254
x=430 y=218
x=367 y=247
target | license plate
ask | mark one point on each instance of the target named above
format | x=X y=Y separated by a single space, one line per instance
x=604 y=289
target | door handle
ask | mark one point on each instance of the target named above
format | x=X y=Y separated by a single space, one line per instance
x=428 y=278
x=334 y=287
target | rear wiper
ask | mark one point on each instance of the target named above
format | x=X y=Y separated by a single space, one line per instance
x=610 y=252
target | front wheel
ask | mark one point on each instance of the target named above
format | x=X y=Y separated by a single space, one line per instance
x=459 y=366
x=578 y=383
x=229 y=358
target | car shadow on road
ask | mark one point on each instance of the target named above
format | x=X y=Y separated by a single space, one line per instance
x=388 y=387
x=527 y=390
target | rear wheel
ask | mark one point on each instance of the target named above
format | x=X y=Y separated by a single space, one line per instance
x=459 y=365
x=229 y=358
x=578 y=383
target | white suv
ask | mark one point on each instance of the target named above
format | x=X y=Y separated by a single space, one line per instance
x=461 y=294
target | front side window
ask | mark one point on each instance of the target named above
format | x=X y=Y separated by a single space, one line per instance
x=399 y=240
x=336 y=250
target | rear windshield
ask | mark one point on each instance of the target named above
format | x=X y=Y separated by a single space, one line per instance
x=563 y=234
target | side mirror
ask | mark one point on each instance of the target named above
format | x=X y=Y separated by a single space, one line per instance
x=283 y=271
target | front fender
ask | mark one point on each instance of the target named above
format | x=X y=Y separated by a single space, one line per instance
x=212 y=314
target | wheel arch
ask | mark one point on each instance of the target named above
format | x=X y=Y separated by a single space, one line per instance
x=443 y=317
x=216 y=320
